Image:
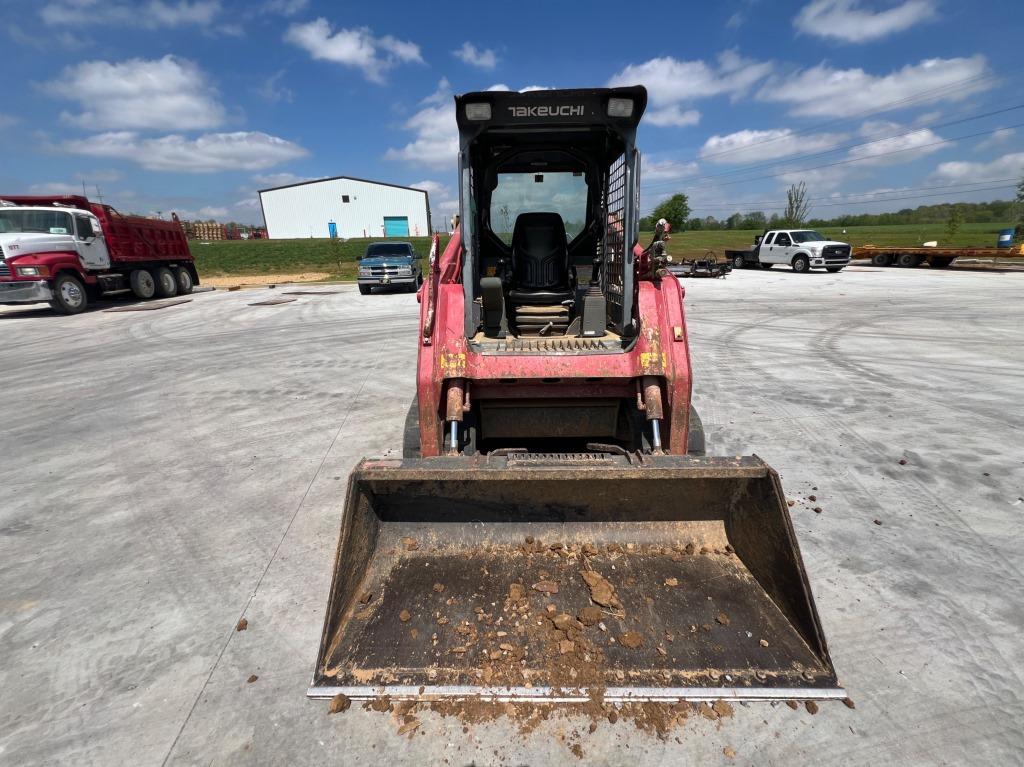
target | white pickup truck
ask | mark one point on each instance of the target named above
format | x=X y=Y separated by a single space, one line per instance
x=802 y=249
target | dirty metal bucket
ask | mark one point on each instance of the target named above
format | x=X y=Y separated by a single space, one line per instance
x=664 y=578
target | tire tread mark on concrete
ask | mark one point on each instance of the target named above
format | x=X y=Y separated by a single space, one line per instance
x=259 y=581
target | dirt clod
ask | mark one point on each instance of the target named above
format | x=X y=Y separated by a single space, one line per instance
x=793 y=704
x=903 y=461
x=410 y=544
x=438 y=587
x=516 y=592
x=404 y=616
x=817 y=509
x=339 y=703
x=723 y=709
x=252 y=678
x=601 y=590
x=242 y=625
x=631 y=639
x=410 y=725
x=811 y=706
x=546 y=587
x=812 y=498
x=848 y=702
x=729 y=752
x=671 y=581
x=589 y=615
x=723 y=619
x=878 y=521
x=763 y=642
x=613 y=716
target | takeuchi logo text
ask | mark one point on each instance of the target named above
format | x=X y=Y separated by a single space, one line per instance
x=563 y=110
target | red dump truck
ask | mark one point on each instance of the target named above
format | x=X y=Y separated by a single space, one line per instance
x=67 y=251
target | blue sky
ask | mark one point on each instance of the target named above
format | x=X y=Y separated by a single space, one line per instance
x=193 y=105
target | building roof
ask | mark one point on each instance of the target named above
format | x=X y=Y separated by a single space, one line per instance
x=336 y=178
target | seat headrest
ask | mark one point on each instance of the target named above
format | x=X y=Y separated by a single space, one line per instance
x=539 y=230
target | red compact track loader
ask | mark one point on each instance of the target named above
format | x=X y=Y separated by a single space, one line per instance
x=559 y=532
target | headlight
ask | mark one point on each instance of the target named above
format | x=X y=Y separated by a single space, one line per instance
x=815 y=251
x=405 y=271
x=364 y=271
x=32 y=271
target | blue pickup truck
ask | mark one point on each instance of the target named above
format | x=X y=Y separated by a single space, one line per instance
x=388 y=264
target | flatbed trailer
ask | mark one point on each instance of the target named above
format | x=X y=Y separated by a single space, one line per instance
x=937 y=258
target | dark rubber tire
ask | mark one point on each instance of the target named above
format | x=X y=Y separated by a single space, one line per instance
x=69 y=296
x=166 y=283
x=834 y=269
x=185 y=281
x=767 y=266
x=881 y=259
x=908 y=260
x=142 y=284
x=365 y=290
x=801 y=264
x=738 y=262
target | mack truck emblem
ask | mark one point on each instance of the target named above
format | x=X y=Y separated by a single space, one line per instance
x=564 y=110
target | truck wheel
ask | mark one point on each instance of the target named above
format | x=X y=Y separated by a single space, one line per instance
x=908 y=260
x=185 y=283
x=767 y=266
x=69 y=295
x=881 y=259
x=365 y=290
x=801 y=264
x=142 y=284
x=166 y=283
x=737 y=262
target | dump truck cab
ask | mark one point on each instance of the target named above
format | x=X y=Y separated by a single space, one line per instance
x=571 y=332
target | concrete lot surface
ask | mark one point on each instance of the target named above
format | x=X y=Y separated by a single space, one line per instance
x=167 y=473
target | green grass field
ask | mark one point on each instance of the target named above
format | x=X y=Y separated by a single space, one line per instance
x=247 y=258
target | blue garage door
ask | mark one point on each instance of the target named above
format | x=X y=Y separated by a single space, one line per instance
x=396 y=226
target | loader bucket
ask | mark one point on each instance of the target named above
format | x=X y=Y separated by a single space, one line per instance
x=661 y=578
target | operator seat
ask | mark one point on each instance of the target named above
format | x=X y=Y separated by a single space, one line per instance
x=540 y=260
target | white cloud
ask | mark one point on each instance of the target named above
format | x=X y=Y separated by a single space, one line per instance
x=499 y=87
x=273 y=91
x=672 y=116
x=6 y=121
x=825 y=92
x=525 y=89
x=846 y=20
x=55 y=187
x=484 y=58
x=898 y=149
x=666 y=170
x=270 y=180
x=433 y=188
x=356 y=47
x=1001 y=136
x=284 y=7
x=216 y=212
x=1007 y=166
x=747 y=146
x=817 y=180
x=436 y=142
x=209 y=153
x=139 y=94
x=672 y=83
x=149 y=15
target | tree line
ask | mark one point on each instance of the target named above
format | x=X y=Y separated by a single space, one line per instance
x=676 y=210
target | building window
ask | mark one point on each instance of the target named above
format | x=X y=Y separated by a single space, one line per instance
x=344 y=198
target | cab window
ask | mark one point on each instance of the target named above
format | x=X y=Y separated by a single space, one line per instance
x=84 y=226
x=769 y=238
x=782 y=239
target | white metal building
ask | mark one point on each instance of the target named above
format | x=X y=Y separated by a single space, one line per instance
x=345 y=207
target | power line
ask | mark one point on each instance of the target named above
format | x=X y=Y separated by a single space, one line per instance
x=754 y=166
x=956 y=85
x=876 y=196
x=859 y=202
x=852 y=160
